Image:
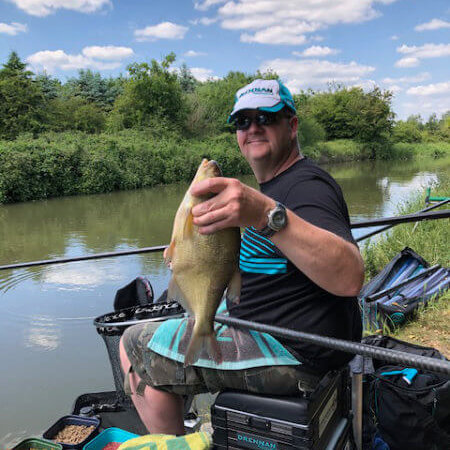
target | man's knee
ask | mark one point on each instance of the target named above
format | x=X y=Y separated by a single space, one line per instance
x=124 y=360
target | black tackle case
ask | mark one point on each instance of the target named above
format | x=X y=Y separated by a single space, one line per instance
x=242 y=420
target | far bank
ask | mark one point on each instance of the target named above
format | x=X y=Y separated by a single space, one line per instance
x=75 y=163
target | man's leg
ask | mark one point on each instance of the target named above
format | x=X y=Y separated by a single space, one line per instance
x=160 y=411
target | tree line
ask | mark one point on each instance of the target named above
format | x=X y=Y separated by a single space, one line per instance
x=155 y=96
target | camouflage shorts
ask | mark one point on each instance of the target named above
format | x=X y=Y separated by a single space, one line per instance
x=170 y=375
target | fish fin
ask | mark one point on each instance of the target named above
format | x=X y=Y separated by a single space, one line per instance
x=234 y=288
x=169 y=252
x=197 y=343
x=174 y=292
x=188 y=225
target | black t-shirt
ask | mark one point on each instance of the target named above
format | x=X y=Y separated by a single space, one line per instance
x=275 y=292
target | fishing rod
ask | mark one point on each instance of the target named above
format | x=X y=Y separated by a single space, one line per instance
x=383 y=221
x=158 y=248
x=415 y=217
x=385 y=354
x=387 y=227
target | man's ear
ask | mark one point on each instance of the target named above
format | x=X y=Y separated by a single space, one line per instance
x=293 y=123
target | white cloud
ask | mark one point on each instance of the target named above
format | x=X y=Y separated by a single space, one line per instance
x=42 y=8
x=206 y=21
x=412 y=79
x=164 y=30
x=193 y=53
x=317 y=50
x=394 y=37
x=13 y=29
x=276 y=22
x=434 y=24
x=426 y=50
x=304 y=74
x=395 y=88
x=49 y=61
x=206 y=4
x=415 y=53
x=407 y=62
x=107 y=53
x=275 y=35
x=428 y=99
x=430 y=89
x=202 y=74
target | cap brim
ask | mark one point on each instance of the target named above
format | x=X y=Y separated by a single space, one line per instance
x=275 y=108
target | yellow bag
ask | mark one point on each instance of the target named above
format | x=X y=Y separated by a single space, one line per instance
x=194 y=441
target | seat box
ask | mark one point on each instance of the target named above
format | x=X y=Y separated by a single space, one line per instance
x=242 y=420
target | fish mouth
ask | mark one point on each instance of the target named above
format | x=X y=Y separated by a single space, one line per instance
x=213 y=168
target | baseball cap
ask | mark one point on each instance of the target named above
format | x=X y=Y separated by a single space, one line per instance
x=265 y=95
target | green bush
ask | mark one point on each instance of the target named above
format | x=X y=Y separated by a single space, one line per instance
x=57 y=164
x=408 y=132
x=338 y=150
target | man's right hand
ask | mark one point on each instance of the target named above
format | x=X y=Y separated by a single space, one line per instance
x=234 y=205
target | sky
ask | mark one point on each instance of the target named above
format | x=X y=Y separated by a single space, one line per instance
x=400 y=45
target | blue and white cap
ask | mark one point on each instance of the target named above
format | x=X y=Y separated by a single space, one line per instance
x=265 y=95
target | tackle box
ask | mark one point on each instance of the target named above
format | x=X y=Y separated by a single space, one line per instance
x=242 y=420
x=71 y=420
x=37 y=444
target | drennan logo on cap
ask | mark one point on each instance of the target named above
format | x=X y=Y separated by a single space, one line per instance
x=257 y=91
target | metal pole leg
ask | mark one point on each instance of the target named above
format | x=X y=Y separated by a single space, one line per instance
x=357 y=402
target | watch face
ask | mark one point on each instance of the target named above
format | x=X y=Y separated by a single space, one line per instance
x=279 y=219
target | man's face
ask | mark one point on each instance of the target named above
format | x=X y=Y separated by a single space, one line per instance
x=269 y=142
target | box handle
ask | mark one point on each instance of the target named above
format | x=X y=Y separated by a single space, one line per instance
x=260 y=424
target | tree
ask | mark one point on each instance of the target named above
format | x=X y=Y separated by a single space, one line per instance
x=151 y=94
x=351 y=113
x=407 y=131
x=21 y=100
x=187 y=81
x=94 y=89
x=212 y=102
x=50 y=87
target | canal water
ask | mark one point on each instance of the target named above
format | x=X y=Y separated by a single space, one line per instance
x=50 y=352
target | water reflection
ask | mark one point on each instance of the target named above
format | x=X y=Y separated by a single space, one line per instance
x=43 y=333
x=80 y=276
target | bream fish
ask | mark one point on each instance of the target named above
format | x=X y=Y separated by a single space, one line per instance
x=203 y=268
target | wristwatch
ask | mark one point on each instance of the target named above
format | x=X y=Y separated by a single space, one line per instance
x=276 y=220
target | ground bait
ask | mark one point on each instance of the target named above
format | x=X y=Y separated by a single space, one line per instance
x=73 y=434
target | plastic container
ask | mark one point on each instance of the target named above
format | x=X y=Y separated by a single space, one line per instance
x=109 y=435
x=38 y=444
x=73 y=420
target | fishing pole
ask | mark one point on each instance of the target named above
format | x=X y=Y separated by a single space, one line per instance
x=383 y=221
x=387 y=227
x=430 y=215
x=158 y=248
x=385 y=354
x=110 y=324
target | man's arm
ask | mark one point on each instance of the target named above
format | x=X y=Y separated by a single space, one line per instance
x=328 y=260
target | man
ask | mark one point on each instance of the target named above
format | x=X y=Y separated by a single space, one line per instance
x=300 y=267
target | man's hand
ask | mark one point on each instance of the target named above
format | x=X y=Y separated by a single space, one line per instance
x=234 y=205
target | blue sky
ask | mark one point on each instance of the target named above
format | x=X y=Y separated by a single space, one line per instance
x=402 y=45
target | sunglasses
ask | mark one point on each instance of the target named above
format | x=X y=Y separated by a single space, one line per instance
x=243 y=122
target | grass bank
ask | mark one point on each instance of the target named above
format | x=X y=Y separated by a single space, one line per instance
x=430 y=239
x=342 y=150
x=74 y=163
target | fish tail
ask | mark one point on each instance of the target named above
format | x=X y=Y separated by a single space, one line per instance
x=197 y=343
